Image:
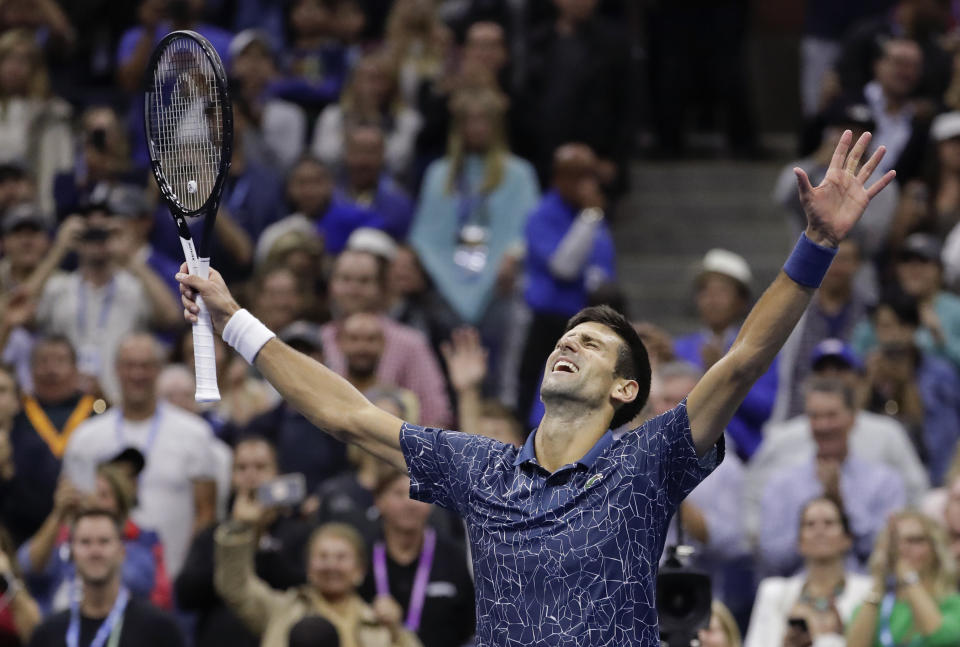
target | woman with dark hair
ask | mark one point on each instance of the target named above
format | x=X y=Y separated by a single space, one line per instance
x=19 y=613
x=822 y=597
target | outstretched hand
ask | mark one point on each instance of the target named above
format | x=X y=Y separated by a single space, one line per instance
x=834 y=207
x=466 y=359
x=220 y=303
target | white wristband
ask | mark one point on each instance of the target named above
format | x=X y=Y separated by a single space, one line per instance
x=246 y=334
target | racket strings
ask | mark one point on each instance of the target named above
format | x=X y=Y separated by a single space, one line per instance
x=186 y=122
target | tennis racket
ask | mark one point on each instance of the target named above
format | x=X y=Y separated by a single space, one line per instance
x=188 y=121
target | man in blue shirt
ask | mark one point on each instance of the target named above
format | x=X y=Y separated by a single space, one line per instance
x=565 y=532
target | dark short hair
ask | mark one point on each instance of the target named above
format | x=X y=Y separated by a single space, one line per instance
x=53 y=340
x=97 y=513
x=253 y=438
x=904 y=307
x=830 y=384
x=633 y=363
x=844 y=519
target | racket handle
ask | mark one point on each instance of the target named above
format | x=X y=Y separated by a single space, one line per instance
x=204 y=355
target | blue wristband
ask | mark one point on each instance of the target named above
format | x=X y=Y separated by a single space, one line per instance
x=809 y=262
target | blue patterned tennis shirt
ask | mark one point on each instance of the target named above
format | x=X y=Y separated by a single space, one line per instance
x=569 y=558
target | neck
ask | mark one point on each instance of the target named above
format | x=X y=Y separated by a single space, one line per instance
x=137 y=411
x=363 y=185
x=823 y=576
x=20 y=273
x=98 y=274
x=403 y=545
x=565 y=433
x=55 y=397
x=98 y=599
x=368 y=473
x=309 y=42
x=894 y=103
x=719 y=329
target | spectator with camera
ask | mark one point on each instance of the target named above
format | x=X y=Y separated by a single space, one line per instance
x=102 y=606
x=914 y=595
x=868 y=492
x=278 y=557
x=40 y=426
x=417 y=571
x=801 y=609
x=112 y=293
x=912 y=385
x=918 y=271
x=335 y=565
x=45 y=557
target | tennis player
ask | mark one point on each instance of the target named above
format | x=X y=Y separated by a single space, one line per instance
x=566 y=532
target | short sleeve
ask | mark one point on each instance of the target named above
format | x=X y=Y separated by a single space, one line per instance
x=667 y=453
x=201 y=462
x=445 y=466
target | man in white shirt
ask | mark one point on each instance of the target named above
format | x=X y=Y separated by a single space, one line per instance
x=875 y=438
x=177 y=493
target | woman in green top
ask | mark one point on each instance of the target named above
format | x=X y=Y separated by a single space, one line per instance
x=914 y=601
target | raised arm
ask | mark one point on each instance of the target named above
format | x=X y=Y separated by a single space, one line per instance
x=328 y=400
x=832 y=209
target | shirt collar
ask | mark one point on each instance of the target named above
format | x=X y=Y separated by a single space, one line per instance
x=527 y=453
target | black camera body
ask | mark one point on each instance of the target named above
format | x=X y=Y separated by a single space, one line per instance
x=684 y=597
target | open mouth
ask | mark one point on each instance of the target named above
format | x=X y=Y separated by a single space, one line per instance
x=565 y=366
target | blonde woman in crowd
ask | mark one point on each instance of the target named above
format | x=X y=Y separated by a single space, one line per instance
x=419 y=42
x=336 y=564
x=34 y=124
x=914 y=600
x=371 y=96
x=722 y=631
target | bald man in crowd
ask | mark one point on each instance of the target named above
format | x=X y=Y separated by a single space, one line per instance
x=569 y=255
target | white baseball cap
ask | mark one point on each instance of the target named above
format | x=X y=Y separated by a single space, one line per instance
x=945 y=126
x=727 y=263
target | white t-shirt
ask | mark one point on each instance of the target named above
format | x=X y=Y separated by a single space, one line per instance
x=95 y=320
x=178 y=448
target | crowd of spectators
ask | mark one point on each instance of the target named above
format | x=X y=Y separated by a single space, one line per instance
x=420 y=197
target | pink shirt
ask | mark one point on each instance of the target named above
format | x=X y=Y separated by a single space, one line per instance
x=407 y=362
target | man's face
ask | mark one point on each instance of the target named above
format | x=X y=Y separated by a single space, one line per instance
x=98 y=552
x=54 y=372
x=898 y=70
x=576 y=10
x=363 y=156
x=94 y=247
x=138 y=367
x=355 y=284
x=399 y=510
x=920 y=278
x=889 y=329
x=279 y=302
x=582 y=368
x=254 y=463
x=830 y=423
x=486 y=45
x=719 y=300
x=26 y=247
x=254 y=64
x=669 y=392
x=361 y=341
x=310 y=188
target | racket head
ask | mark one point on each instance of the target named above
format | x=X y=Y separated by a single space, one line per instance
x=188 y=123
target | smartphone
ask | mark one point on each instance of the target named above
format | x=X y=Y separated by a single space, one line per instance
x=800 y=624
x=283 y=491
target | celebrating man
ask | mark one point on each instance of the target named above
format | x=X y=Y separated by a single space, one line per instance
x=566 y=531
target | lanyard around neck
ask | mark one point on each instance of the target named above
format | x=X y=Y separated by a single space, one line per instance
x=419 y=593
x=111 y=626
x=151 y=436
x=104 y=308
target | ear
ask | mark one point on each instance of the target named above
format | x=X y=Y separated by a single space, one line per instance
x=625 y=391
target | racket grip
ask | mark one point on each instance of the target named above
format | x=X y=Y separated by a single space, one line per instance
x=204 y=354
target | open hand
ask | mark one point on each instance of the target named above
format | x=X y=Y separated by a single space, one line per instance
x=216 y=296
x=466 y=359
x=834 y=207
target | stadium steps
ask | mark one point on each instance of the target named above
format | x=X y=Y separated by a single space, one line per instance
x=675 y=212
